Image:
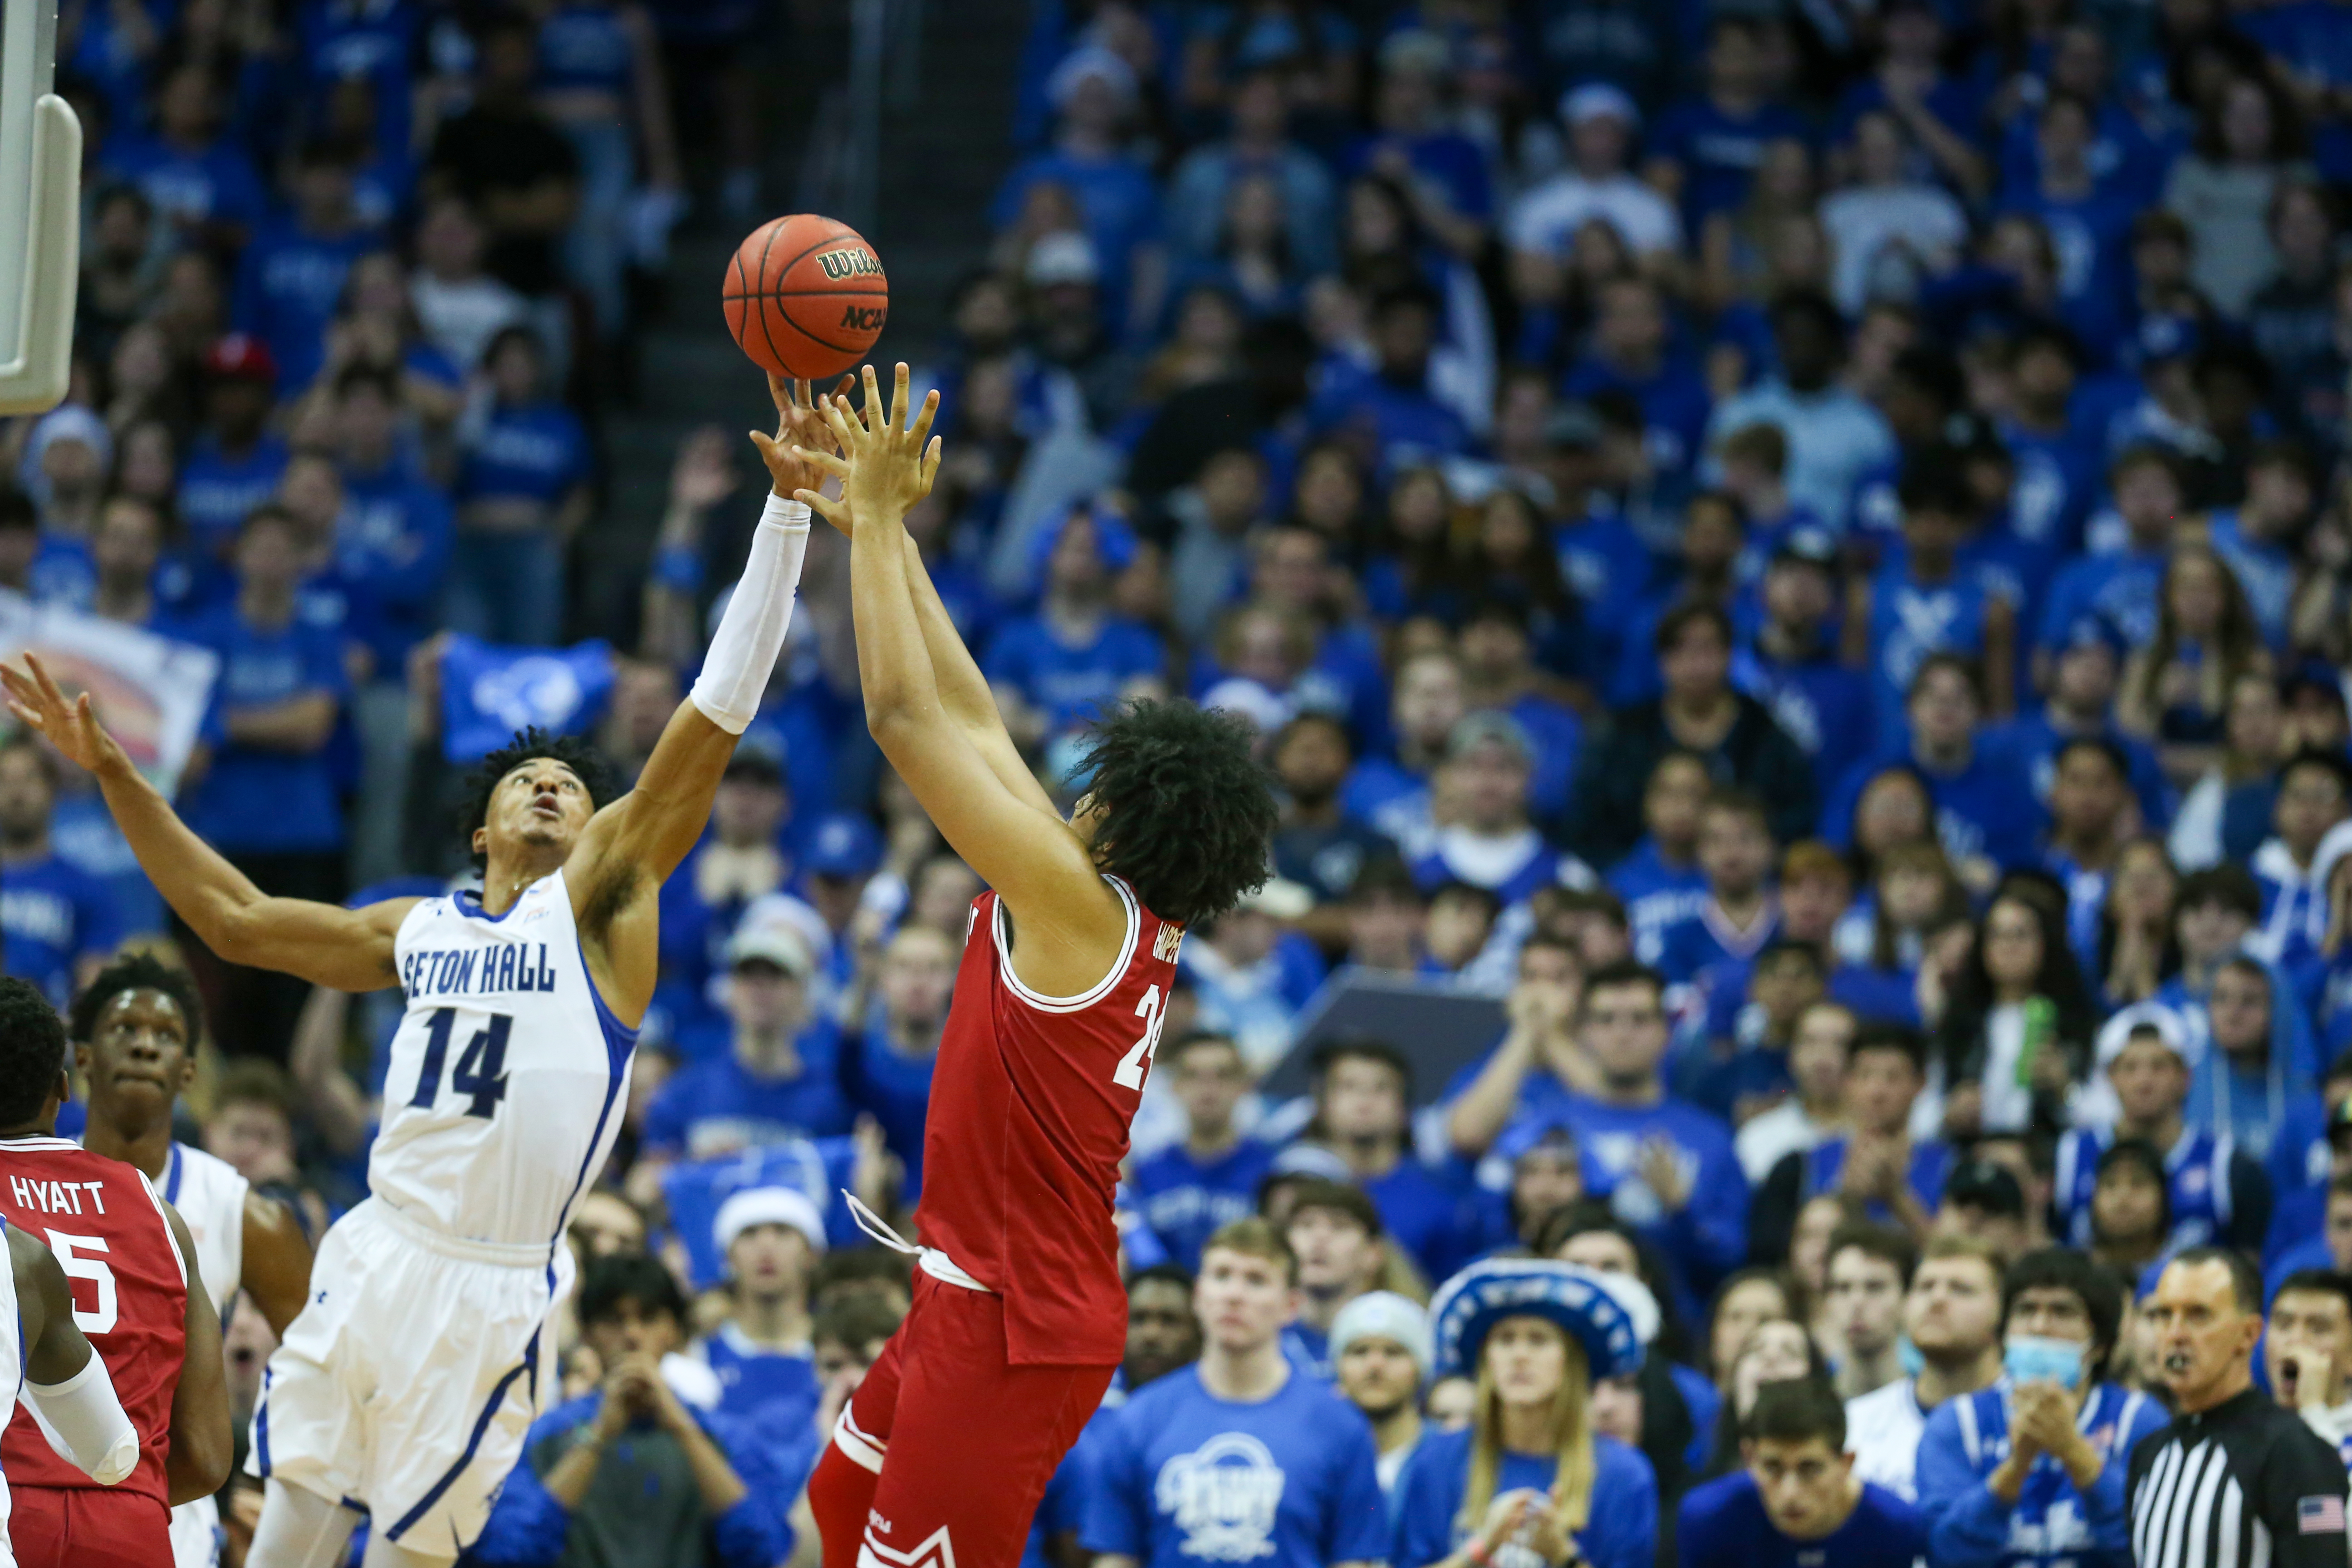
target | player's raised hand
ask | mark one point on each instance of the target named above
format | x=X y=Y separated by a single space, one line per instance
x=888 y=455
x=801 y=433
x=67 y=724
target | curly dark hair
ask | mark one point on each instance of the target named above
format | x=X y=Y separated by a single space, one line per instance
x=136 y=972
x=596 y=773
x=32 y=1051
x=1189 y=814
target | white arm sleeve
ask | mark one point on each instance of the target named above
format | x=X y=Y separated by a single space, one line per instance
x=84 y=1422
x=751 y=632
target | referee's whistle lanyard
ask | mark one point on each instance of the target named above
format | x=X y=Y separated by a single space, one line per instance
x=932 y=1261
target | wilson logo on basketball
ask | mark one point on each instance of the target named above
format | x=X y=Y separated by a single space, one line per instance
x=865 y=318
x=840 y=264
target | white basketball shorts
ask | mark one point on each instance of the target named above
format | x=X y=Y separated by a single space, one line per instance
x=407 y=1383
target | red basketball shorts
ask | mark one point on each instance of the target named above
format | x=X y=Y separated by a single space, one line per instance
x=942 y=1454
x=83 y=1526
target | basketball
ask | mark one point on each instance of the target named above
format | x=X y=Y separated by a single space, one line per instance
x=805 y=297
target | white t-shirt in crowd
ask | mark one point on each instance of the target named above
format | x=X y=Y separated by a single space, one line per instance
x=1882 y=1433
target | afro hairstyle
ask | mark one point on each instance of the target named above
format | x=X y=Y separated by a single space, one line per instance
x=596 y=771
x=1188 y=813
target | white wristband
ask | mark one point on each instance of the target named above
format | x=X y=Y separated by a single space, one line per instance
x=751 y=634
x=85 y=1423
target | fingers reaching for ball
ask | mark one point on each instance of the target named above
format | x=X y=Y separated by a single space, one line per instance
x=885 y=466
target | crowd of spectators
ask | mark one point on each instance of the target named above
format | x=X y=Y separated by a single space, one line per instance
x=1802 y=550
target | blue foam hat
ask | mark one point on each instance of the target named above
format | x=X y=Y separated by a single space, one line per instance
x=1613 y=1316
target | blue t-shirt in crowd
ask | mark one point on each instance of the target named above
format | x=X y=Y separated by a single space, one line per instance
x=2054 y=1522
x=2058 y=479
x=254 y=800
x=1819 y=702
x=1185 y=1478
x=1720 y=151
x=1185 y=1200
x=1073 y=683
x=1673 y=400
x=1621 y=1530
x=755 y=1382
x=391 y=545
x=2119 y=589
x=52 y=916
x=1707 y=1237
x=289 y=283
x=721 y=1105
x=215 y=184
x=535 y=452
x=1931 y=1162
x=1656 y=895
x=895 y=1089
x=1723 y=1525
x=216 y=491
x=1910 y=619
x=1704 y=940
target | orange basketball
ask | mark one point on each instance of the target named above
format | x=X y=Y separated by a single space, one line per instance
x=805 y=297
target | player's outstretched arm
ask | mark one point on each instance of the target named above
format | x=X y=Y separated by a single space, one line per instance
x=276 y=1268
x=203 y=1445
x=632 y=845
x=64 y=1377
x=351 y=950
x=1020 y=847
x=964 y=692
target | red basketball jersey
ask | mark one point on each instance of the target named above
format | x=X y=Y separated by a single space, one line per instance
x=1031 y=1100
x=130 y=1294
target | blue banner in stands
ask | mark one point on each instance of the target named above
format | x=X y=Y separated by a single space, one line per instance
x=487 y=693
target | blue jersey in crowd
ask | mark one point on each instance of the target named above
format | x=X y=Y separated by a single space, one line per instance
x=535 y=452
x=721 y=1105
x=1931 y=1162
x=53 y=916
x=217 y=491
x=755 y=1381
x=1185 y=1478
x=2054 y=1522
x=1620 y=1527
x=1723 y=1525
x=1071 y=681
x=2199 y=1169
x=1184 y=1200
x=256 y=799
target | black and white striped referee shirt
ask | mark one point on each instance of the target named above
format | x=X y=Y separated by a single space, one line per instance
x=2244 y=1485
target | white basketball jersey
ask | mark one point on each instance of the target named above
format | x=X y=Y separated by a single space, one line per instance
x=210 y=1195
x=509 y=1075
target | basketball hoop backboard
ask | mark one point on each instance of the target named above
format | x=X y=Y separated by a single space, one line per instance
x=40 y=212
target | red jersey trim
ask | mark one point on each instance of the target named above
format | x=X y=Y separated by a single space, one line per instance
x=1094 y=994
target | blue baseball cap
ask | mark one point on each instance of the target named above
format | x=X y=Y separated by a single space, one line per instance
x=841 y=845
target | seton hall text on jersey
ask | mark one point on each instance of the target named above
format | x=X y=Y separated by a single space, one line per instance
x=477 y=971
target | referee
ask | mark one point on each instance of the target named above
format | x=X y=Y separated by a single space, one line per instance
x=2235 y=1481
